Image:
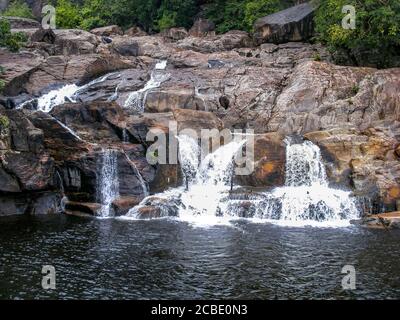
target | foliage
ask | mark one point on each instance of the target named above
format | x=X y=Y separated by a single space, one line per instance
x=377 y=28
x=18 y=8
x=4 y=122
x=241 y=14
x=68 y=14
x=12 y=41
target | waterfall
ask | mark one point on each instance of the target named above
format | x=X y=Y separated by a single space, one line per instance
x=206 y=184
x=107 y=182
x=306 y=196
x=69 y=92
x=143 y=183
x=137 y=99
x=206 y=197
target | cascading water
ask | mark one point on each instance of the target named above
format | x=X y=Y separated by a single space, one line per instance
x=69 y=92
x=137 y=99
x=306 y=198
x=206 y=184
x=107 y=182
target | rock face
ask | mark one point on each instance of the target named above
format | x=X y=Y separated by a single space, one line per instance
x=293 y=24
x=27 y=171
x=212 y=81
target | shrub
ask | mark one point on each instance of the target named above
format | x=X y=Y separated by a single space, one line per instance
x=68 y=14
x=375 y=40
x=12 y=41
x=18 y=8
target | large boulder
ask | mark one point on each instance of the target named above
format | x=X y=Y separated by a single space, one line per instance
x=293 y=24
x=73 y=41
x=126 y=46
x=269 y=162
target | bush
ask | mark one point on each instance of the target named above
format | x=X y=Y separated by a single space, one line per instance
x=241 y=14
x=12 y=41
x=18 y=8
x=68 y=14
x=376 y=39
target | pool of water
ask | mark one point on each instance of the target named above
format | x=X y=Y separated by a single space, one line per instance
x=171 y=259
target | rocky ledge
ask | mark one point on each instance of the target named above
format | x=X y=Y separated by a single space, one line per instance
x=214 y=81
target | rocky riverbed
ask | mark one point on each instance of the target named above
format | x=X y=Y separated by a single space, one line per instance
x=210 y=81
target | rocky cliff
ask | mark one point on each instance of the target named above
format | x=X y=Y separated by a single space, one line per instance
x=213 y=80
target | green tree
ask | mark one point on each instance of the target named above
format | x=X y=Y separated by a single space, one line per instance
x=376 y=38
x=68 y=14
x=18 y=8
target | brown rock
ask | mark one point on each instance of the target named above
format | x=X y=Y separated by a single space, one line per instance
x=269 y=162
x=122 y=205
x=107 y=31
x=293 y=24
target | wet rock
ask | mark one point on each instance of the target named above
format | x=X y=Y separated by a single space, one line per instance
x=107 y=31
x=269 y=162
x=166 y=176
x=149 y=212
x=384 y=221
x=83 y=207
x=122 y=205
x=293 y=24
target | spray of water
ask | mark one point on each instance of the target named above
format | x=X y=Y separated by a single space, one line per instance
x=206 y=198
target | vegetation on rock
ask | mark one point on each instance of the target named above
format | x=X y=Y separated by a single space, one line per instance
x=12 y=41
x=376 y=37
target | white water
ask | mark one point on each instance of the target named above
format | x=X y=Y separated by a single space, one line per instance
x=207 y=182
x=69 y=92
x=142 y=182
x=137 y=99
x=306 y=198
x=107 y=182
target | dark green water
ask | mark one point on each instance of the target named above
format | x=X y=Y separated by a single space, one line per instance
x=166 y=259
